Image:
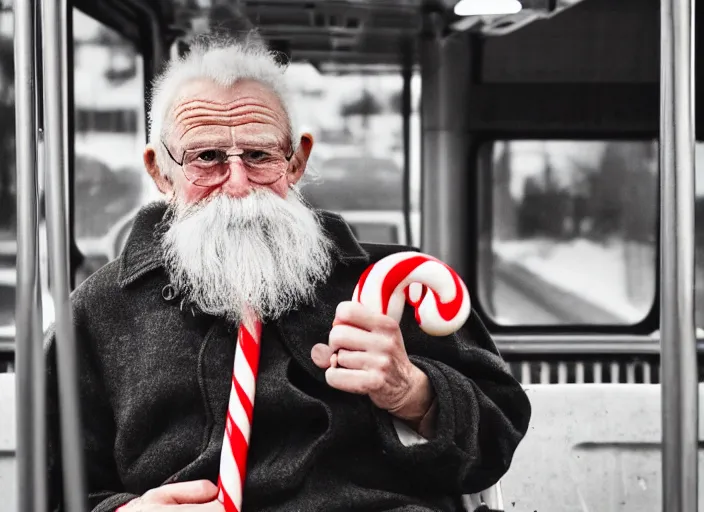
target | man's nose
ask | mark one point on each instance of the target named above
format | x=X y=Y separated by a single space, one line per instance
x=237 y=184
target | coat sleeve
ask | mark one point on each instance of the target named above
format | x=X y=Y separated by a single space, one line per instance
x=104 y=487
x=482 y=412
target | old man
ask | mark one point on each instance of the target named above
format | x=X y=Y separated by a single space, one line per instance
x=157 y=327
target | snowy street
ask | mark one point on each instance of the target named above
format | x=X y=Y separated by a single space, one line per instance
x=616 y=278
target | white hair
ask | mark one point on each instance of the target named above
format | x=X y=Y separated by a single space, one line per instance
x=221 y=59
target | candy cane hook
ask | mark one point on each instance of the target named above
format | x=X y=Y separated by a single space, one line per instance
x=437 y=293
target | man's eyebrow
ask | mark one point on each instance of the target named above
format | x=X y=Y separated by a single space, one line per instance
x=207 y=143
x=267 y=142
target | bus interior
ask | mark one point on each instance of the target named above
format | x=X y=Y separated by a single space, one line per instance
x=522 y=149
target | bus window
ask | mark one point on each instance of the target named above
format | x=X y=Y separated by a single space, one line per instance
x=110 y=181
x=574 y=232
x=356 y=167
x=8 y=192
x=699 y=236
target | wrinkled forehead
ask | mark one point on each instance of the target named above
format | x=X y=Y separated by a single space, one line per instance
x=208 y=112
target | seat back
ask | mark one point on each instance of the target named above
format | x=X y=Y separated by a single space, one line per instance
x=8 y=443
x=592 y=448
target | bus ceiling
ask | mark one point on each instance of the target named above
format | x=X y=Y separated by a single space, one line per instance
x=336 y=36
x=588 y=67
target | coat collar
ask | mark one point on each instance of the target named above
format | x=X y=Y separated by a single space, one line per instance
x=143 y=254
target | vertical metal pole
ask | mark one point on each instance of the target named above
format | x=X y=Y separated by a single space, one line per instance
x=31 y=431
x=445 y=63
x=53 y=19
x=679 y=356
x=406 y=108
x=40 y=438
x=75 y=255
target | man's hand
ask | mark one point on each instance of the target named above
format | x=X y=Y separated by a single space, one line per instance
x=197 y=496
x=365 y=354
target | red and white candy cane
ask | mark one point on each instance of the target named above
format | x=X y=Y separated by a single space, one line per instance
x=385 y=287
x=238 y=424
x=408 y=277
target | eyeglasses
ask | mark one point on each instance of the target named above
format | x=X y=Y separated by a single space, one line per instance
x=210 y=167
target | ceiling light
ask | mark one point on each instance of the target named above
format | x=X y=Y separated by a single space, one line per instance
x=486 y=7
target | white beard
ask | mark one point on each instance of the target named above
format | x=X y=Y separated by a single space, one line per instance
x=261 y=253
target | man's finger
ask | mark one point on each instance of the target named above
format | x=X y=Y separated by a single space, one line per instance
x=182 y=493
x=358 y=360
x=353 y=338
x=354 y=314
x=360 y=382
x=321 y=354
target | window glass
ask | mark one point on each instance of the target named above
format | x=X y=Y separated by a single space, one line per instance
x=573 y=232
x=699 y=236
x=8 y=191
x=356 y=166
x=110 y=181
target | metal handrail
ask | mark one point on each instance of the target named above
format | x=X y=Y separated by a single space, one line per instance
x=677 y=324
x=587 y=344
x=29 y=357
x=53 y=17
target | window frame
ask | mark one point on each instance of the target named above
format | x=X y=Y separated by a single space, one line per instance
x=135 y=29
x=481 y=168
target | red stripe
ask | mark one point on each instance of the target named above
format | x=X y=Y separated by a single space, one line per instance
x=250 y=349
x=227 y=502
x=402 y=269
x=239 y=450
x=395 y=276
x=449 y=310
x=244 y=399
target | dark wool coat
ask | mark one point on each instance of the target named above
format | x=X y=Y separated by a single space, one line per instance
x=155 y=381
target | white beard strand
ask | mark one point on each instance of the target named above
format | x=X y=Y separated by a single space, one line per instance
x=260 y=252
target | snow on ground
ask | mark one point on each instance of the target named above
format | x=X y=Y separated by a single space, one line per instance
x=594 y=272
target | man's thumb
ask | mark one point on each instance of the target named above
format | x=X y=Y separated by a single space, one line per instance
x=321 y=354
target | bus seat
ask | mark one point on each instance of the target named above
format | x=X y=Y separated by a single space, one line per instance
x=592 y=447
x=8 y=442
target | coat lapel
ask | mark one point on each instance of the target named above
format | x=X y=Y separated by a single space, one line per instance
x=303 y=328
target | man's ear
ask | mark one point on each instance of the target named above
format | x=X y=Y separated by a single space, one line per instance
x=163 y=183
x=300 y=159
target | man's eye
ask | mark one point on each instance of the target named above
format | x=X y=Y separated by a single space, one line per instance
x=257 y=155
x=212 y=155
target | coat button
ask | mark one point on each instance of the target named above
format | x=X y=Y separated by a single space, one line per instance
x=169 y=292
